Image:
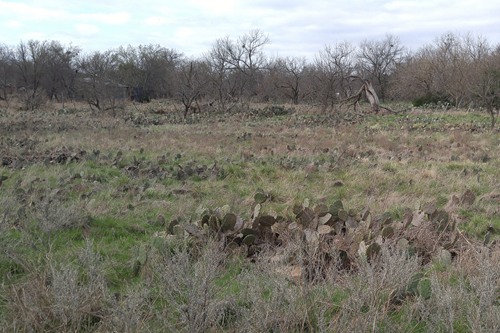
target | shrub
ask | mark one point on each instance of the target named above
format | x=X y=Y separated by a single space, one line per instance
x=430 y=99
x=59 y=297
x=185 y=281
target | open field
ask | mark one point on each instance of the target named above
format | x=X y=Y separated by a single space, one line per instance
x=89 y=205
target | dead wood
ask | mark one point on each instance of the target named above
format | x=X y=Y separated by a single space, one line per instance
x=371 y=96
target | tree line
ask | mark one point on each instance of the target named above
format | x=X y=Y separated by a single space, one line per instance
x=457 y=70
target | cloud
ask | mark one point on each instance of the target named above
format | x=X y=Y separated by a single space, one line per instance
x=106 y=18
x=154 y=21
x=295 y=27
x=13 y=24
x=26 y=12
x=86 y=29
x=215 y=8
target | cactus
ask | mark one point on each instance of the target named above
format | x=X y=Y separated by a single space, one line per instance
x=239 y=223
x=324 y=229
x=403 y=244
x=407 y=217
x=344 y=260
x=412 y=287
x=342 y=215
x=326 y=219
x=443 y=257
x=305 y=204
x=192 y=229
x=266 y=220
x=297 y=209
x=160 y=220
x=306 y=216
x=321 y=210
x=335 y=207
x=256 y=211
x=351 y=222
x=248 y=231
x=362 y=249
x=424 y=288
x=387 y=232
x=178 y=231
x=441 y=218
x=418 y=218
x=372 y=251
x=386 y=218
x=142 y=256
x=220 y=212
x=311 y=237
x=249 y=239
x=171 y=226
x=229 y=222
x=214 y=223
x=366 y=215
x=260 y=197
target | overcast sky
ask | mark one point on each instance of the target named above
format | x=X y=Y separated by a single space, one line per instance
x=295 y=27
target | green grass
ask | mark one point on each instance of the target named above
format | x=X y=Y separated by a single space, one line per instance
x=429 y=120
x=478 y=223
x=228 y=283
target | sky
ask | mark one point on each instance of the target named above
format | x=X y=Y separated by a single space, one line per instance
x=295 y=27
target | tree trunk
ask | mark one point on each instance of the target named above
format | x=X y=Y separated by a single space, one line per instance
x=493 y=114
x=371 y=95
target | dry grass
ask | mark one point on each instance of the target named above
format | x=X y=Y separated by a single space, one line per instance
x=77 y=245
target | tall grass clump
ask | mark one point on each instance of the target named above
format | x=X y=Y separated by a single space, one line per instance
x=59 y=297
x=184 y=279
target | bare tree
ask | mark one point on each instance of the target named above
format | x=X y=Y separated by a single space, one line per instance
x=332 y=66
x=414 y=78
x=7 y=72
x=59 y=77
x=96 y=81
x=159 y=64
x=484 y=83
x=148 y=70
x=445 y=72
x=378 y=59
x=239 y=62
x=222 y=88
x=31 y=60
x=288 y=76
x=450 y=67
x=191 y=84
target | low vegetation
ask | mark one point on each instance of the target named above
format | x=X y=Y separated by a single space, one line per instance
x=267 y=218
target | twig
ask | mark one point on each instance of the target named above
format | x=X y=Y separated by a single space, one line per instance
x=468 y=242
